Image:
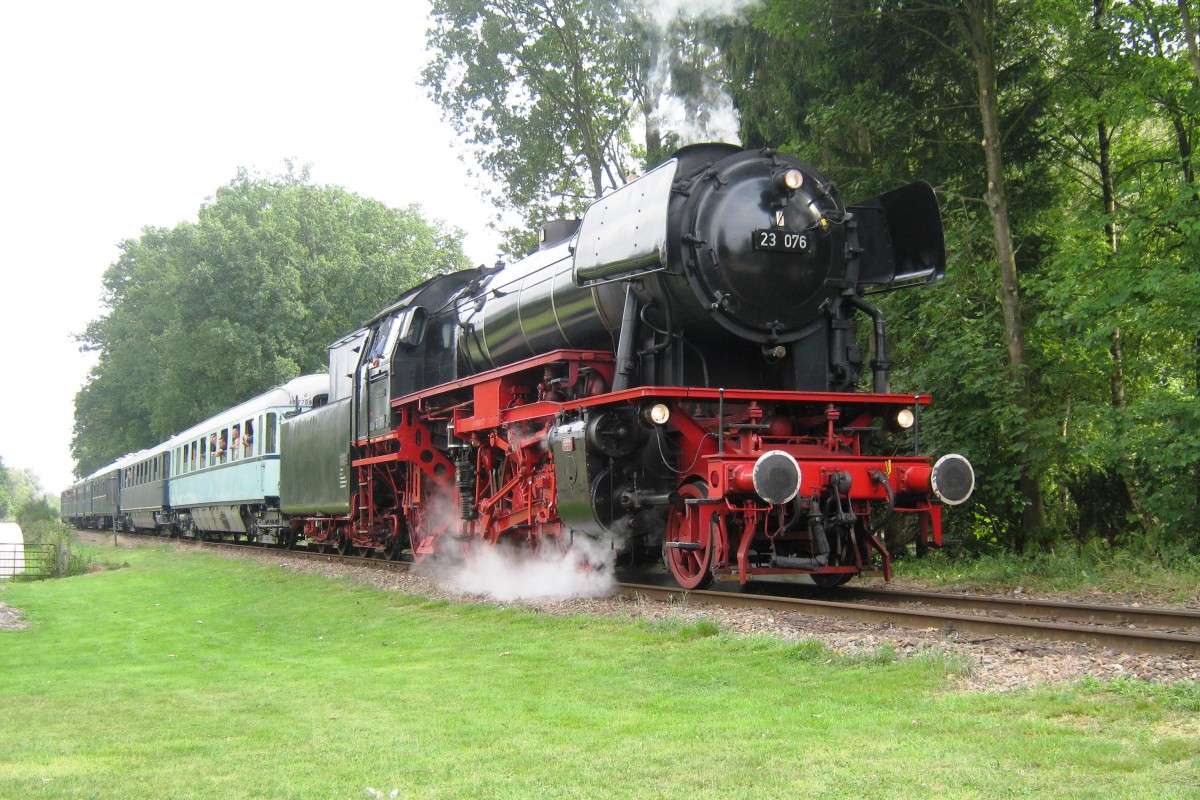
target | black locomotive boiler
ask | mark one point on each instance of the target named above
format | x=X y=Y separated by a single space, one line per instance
x=676 y=374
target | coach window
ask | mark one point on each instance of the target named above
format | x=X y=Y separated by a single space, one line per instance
x=193 y=458
x=248 y=438
x=272 y=432
x=258 y=446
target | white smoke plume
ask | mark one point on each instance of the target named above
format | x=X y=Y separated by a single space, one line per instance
x=506 y=574
x=664 y=11
x=702 y=114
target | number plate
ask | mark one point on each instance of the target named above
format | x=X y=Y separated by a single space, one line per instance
x=778 y=240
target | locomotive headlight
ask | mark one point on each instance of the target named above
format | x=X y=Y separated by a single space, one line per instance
x=789 y=180
x=657 y=414
x=905 y=418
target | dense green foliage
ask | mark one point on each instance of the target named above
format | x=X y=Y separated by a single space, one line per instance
x=188 y=675
x=209 y=313
x=1063 y=347
x=21 y=496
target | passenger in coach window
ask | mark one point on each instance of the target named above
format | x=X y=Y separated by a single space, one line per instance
x=214 y=449
x=237 y=442
x=248 y=437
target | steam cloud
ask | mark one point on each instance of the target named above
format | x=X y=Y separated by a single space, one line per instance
x=705 y=113
x=505 y=574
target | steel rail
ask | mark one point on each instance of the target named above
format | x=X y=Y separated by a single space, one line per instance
x=1128 y=640
x=1032 y=607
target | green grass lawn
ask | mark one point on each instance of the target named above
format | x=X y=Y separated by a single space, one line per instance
x=191 y=675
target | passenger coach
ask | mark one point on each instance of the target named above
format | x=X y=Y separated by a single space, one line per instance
x=224 y=472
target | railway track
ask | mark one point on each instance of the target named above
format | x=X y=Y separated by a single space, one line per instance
x=1156 y=631
x=1109 y=626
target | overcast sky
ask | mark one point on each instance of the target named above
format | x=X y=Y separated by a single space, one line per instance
x=121 y=114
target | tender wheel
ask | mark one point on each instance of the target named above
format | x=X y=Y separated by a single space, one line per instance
x=344 y=546
x=689 y=526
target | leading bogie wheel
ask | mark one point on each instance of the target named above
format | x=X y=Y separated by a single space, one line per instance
x=689 y=543
x=829 y=580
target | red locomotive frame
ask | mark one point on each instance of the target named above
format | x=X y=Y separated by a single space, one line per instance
x=412 y=488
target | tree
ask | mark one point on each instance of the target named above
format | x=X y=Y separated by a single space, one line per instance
x=977 y=23
x=210 y=313
x=541 y=91
x=18 y=488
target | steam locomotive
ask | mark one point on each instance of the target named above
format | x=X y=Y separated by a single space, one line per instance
x=674 y=376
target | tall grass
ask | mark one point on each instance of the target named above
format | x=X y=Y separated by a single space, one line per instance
x=69 y=558
x=1174 y=578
